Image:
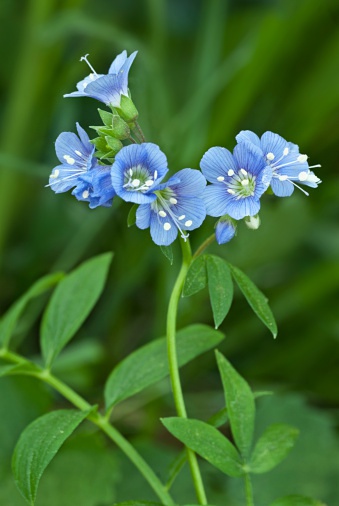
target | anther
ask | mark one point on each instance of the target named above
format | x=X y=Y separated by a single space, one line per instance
x=243 y=171
x=78 y=152
x=220 y=178
x=303 y=176
x=155 y=175
x=167 y=226
x=85 y=194
x=302 y=158
x=282 y=178
x=130 y=171
x=270 y=156
x=149 y=182
x=136 y=183
x=286 y=151
x=245 y=182
x=55 y=173
x=230 y=172
x=232 y=192
x=162 y=214
x=188 y=223
x=182 y=217
x=173 y=200
x=69 y=159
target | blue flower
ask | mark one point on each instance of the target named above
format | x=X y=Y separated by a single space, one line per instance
x=137 y=171
x=225 y=230
x=107 y=88
x=238 y=180
x=95 y=187
x=289 y=167
x=76 y=157
x=178 y=206
x=80 y=170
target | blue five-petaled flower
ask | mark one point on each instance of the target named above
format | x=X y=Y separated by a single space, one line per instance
x=107 y=88
x=238 y=180
x=289 y=167
x=80 y=170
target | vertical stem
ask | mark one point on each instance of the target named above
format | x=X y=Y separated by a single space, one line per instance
x=248 y=490
x=173 y=363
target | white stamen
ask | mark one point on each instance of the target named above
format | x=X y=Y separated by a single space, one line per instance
x=286 y=151
x=302 y=158
x=155 y=175
x=245 y=182
x=85 y=194
x=69 y=159
x=230 y=172
x=136 y=182
x=149 y=182
x=162 y=214
x=270 y=156
x=173 y=200
x=182 y=217
x=55 y=173
x=91 y=76
x=303 y=175
x=314 y=166
x=188 y=223
x=243 y=171
x=130 y=171
x=220 y=178
x=282 y=178
x=84 y=58
x=78 y=152
x=232 y=192
x=167 y=226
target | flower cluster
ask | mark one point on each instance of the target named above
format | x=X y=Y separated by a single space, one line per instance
x=134 y=169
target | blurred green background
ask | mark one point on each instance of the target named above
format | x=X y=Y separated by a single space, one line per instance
x=205 y=70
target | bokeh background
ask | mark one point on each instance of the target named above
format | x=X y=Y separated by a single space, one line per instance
x=205 y=70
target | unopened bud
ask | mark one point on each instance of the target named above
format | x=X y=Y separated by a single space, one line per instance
x=127 y=109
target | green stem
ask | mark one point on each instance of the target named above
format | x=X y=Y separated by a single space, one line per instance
x=204 y=245
x=248 y=490
x=173 y=363
x=138 y=127
x=99 y=420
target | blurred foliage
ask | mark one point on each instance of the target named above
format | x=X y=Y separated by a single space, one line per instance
x=205 y=70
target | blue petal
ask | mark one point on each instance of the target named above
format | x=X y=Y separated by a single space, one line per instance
x=224 y=232
x=187 y=182
x=156 y=160
x=273 y=143
x=239 y=208
x=82 y=85
x=66 y=179
x=216 y=199
x=118 y=62
x=68 y=146
x=249 y=157
x=263 y=181
x=160 y=236
x=248 y=136
x=193 y=208
x=143 y=216
x=123 y=72
x=106 y=89
x=216 y=162
x=84 y=138
x=281 y=188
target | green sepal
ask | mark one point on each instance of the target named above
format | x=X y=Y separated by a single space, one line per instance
x=103 y=130
x=100 y=144
x=107 y=117
x=127 y=109
x=114 y=145
x=120 y=128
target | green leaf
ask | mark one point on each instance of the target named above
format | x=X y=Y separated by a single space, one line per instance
x=37 y=446
x=220 y=287
x=149 y=364
x=208 y=442
x=219 y=418
x=272 y=447
x=255 y=298
x=296 y=500
x=71 y=303
x=168 y=252
x=107 y=117
x=9 y=320
x=240 y=405
x=132 y=215
x=196 y=278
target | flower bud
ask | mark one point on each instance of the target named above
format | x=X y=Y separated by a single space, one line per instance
x=252 y=222
x=225 y=229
